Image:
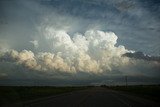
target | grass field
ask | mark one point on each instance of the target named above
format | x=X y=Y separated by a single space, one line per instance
x=13 y=94
x=151 y=92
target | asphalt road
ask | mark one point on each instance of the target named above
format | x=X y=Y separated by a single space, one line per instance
x=95 y=97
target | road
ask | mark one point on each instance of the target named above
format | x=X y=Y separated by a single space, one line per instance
x=94 y=97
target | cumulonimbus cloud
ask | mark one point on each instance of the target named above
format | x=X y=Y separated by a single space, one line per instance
x=93 y=52
x=48 y=46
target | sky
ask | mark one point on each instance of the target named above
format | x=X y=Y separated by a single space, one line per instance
x=79 y=42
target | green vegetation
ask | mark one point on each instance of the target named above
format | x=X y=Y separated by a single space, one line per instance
x=151 y=92
x=13 y=94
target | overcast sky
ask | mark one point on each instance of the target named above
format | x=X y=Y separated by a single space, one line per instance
x=69 y=42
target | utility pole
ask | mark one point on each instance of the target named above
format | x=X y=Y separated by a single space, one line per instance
x=126 y=80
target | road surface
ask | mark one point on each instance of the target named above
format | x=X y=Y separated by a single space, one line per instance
x=94 y=97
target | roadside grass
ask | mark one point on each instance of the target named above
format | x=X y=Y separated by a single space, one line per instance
x=13 y=94
x=151 y=92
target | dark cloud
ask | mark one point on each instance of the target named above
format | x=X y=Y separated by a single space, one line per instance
x=141 y=55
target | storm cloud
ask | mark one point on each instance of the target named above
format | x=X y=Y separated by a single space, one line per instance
x=73 y=40
x=142 y=56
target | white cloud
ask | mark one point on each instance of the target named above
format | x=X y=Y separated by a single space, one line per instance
x=93 y=52
x=35 y=43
